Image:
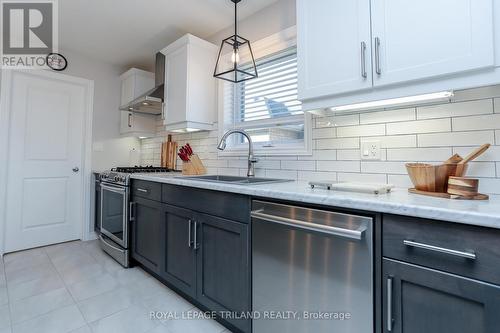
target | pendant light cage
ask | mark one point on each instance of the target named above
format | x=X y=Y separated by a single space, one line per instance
x=235 y=62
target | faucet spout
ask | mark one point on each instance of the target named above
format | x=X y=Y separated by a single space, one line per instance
x=251 y=158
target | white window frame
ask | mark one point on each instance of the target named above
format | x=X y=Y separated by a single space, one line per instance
x=267 y=46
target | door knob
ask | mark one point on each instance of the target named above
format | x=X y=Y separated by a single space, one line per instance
x=76 y=169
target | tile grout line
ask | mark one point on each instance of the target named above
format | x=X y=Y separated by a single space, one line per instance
x=67 y=290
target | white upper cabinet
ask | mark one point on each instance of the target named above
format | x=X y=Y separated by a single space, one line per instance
x=412 y=47
x=428 y=38
x=334 y=44
x=137 y=124
x=190 y=88
x=135 y=82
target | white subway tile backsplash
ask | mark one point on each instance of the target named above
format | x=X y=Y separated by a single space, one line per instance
x=395 y=141
x=455 y=139
x=268 y=164
x=323 y=155
x=237 y=163
x=341 y=143
x=361 y=177
x=383 y=167
x=481 y=169
x=419 y=126
x=489 y=185
x=335 y=121
x=353 y=166
x=349 y=155
x=298 y=165
x=282 y=174
x=317 y=176
x=482 y=122
x=421 y=134
x=387 y=116
x=476 y=93
x=326 y=132
x=491 y=155
x=400 y=181
x=361 y=130
x=455 y=109
x=419 y=154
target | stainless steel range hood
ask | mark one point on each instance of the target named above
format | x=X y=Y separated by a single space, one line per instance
x=151 y=102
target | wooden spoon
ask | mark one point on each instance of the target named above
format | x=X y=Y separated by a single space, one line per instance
x=455 y=159
x=473 y=155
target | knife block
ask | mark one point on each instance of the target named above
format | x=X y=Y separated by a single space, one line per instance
x=193 y=167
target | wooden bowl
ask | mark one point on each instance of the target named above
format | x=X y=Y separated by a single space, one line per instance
x=431 y=178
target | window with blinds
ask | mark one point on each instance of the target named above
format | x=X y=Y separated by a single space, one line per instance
x=267 y=107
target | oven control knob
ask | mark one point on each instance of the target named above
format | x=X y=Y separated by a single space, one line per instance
x=117 y=179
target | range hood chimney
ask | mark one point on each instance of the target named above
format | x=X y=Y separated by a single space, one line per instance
x=151 y=102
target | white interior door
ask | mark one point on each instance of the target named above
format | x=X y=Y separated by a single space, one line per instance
x=44 y=201
x=334 y=47
x=428 y=38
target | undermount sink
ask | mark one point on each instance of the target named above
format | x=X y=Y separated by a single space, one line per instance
x=237 y=180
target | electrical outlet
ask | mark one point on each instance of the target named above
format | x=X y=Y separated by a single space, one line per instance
x=370 y=150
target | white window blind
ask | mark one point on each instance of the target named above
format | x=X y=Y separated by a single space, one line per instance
x=274 y=93
x=267 y=106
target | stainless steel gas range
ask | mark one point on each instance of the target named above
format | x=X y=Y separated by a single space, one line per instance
x=115 y=208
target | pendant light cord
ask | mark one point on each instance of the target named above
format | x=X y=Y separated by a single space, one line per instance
x=235 y=21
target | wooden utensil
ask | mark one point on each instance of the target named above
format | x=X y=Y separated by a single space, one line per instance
x=171 y=153
x=466 y=187
x=454 y=159
x=473 y=155
x=430 y=178
x=449 y=196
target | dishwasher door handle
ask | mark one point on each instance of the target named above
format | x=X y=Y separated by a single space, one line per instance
x=325 y=229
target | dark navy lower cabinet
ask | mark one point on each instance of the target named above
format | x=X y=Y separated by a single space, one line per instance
x=145 y=233
x=419 y=299
x=197 y=246
x=223 y=268
x=179 y=257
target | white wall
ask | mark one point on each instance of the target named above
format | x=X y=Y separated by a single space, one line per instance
x=110 y=149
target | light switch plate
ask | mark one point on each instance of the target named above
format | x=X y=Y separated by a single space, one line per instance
x=370 y=150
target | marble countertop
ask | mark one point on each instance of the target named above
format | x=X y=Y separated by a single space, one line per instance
x=399 y=201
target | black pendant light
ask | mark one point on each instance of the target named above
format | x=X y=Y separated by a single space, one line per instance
x=235 y=62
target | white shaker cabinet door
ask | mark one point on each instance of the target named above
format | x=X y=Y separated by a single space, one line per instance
x=414 y=40
x=333 y=47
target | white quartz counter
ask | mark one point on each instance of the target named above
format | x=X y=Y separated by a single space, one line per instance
x=482 y=213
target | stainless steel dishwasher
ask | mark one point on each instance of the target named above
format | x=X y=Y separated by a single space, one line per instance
x=312 y=270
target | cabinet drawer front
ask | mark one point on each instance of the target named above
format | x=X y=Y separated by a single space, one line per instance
x=148 y=190
x=456 y=248
x=232 y=206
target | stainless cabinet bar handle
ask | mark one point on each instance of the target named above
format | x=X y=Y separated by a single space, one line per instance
x=142 y=190
x=335 y=231
x=190 y=242
x=130 y=120
x=363 y=60
x=462 y=254
x=196 y=245
x=378 y=70
x=131 y=211
x=390 y=320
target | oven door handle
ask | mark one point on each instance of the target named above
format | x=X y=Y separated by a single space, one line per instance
x=113 y=188
x=111 y=246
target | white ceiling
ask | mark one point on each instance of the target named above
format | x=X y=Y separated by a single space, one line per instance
x=127 y=33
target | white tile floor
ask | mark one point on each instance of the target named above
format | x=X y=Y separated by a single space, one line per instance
x=75 y=287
